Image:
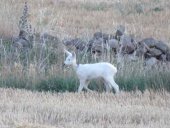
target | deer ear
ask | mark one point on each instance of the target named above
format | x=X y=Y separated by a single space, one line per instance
x=74 y=54
x=67 y=52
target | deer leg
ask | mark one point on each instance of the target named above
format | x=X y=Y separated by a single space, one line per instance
x=107 y=84
x=108 y=89
x=86 y=86
x=112 y=83
x=81 y=86
x=115 y=86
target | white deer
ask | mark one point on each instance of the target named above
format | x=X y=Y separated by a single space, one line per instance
x=87 y=72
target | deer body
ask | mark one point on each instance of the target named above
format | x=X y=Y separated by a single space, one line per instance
x=87 y=72
x=96 y=70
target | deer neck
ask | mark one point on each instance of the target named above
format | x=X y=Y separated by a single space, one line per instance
x=75 y=65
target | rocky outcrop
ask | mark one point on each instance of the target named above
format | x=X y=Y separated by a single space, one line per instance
x=23 y=41
x=127 y=45
x=150 y=49
x=119 y=32
x=77 y=43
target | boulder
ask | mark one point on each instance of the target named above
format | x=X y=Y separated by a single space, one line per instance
x=151 y=61
x=21 y=43
x=155 y=52
x=120 y=31
x=127 y=46
x=168 y=55
x=104 y=36
x=24 y=35
x=90 y=44
x=77 y=43
x=150 y=42
x=98 y=46
x=148 y=55
x=67 y=42
x=97 y=50
x=162 y=46
x=98 y=42
x=140 y=52
x=24 y=40
x=113 y=44
x=111 y=37
x=98 y=35
x=162 y=57
x=47 y=38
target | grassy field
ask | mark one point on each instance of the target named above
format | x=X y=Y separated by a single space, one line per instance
x=81 y=18
x=26 y=109
x=56 y=105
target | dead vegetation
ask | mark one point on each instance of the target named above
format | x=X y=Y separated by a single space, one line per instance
x=74 y=19
x=26 y=109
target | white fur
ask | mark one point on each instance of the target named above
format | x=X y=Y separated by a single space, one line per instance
x=87 y=72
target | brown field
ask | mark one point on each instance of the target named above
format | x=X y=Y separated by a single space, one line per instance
x=81 y=18
x=26 y=109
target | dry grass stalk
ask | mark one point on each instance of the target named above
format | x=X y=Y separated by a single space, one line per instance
x=25 y=109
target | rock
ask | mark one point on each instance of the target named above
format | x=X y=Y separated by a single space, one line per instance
x=113 y=43
x=67 y=42
x=97 y=50
x=150 y=42
x=98 y=42
x=140 y=52
x=120 y=31
x=21 y=43
x=111 y=36
x=24 y=35
x=151 y=61
x=162 y=46
x=24 y=40
x=162 y=57
x=155 y=52
x=127 y=50
x=98 y=35
x=76 y=43
x=104 y=36
x=47 y=38
x=148 y=55
x=79 y=44
x=168 y=55
x=98 y=46
x=90 y=44
x=127 y=46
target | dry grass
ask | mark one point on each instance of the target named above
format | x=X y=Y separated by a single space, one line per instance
x=77 y=18
x=26 y=109
x=81 y=18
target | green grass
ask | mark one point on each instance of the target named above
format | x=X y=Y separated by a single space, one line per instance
x=32 y=70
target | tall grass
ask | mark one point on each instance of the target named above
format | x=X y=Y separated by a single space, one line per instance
x=136 y=76
x=40 y=68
